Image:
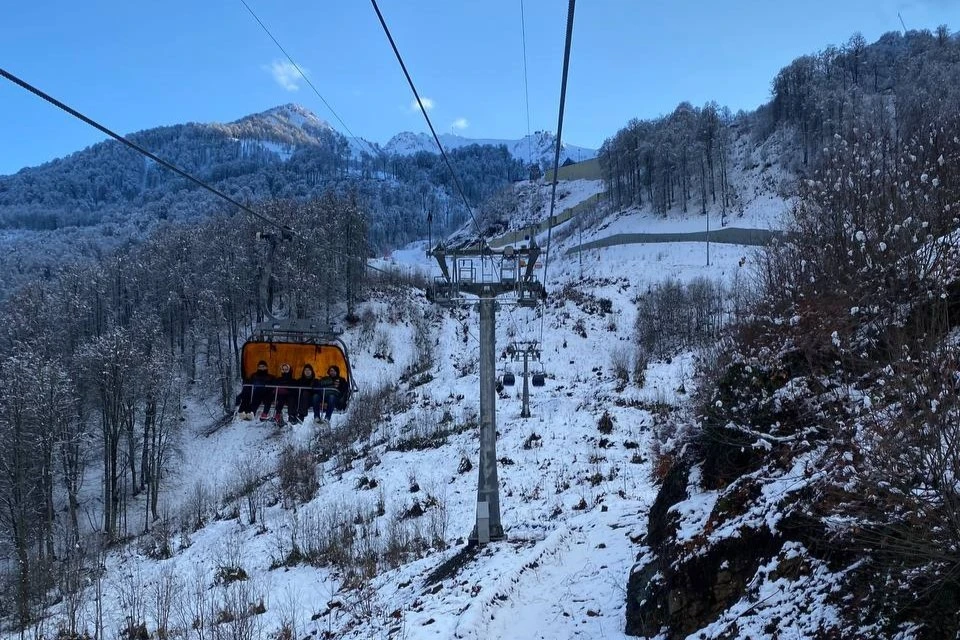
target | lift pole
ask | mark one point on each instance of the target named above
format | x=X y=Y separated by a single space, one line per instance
x=525 y=409
x=525 y=349
x=488 y=525
x=499 y=274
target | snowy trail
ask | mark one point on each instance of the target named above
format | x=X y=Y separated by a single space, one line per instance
x=729 y=235
x=560 y=588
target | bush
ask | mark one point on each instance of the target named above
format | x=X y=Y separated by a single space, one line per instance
x=367 y=410
x=605 y=424
x=580 y=328
x=620 y=363
x=641 y=358
x=226 y=575
x=673 y=316
x=298 y=474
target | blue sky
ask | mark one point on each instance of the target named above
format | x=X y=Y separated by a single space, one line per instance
x=135 y=65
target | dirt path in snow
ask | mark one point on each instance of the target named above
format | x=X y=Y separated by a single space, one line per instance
x=728 y=235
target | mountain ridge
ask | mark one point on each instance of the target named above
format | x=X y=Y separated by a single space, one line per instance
x=293 y=124
x=538 y=146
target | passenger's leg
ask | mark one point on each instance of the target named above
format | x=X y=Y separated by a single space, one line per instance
x=278 y=406
x=245 y=398
x=332 y=399
x=261 y=395
x=293 y=406
x=306 y=396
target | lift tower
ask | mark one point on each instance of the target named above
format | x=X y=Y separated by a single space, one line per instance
x=525 y=349
x=487 y=274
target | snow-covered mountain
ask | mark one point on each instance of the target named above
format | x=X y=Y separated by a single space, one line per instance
x=289 y=122
x=107 y=194
x=537 y=147
x=293 y=124
x=280 y=131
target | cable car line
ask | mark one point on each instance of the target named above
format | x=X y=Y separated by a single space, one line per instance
x=526 y=88
x=423 y=110
x=556 y=157
x=307 y=80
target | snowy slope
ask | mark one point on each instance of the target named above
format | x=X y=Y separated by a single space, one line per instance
x=573 y=498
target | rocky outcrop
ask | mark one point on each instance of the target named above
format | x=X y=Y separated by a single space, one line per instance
x=678 y=587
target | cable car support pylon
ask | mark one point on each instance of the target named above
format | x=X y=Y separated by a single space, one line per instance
x=487 y=274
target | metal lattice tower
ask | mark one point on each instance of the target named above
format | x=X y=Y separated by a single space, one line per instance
x=487 y=274
x=525 y=350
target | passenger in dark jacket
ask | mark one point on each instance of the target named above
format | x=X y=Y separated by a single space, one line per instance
x=304 y=391
x=330 y=392
x=285 y=395
x=257 y=391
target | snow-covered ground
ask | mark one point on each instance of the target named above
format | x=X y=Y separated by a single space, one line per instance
x=764 y=212
x=573 y=496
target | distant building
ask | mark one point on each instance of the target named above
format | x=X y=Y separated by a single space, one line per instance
x=569 y=161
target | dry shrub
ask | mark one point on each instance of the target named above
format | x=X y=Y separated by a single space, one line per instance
x=368 y=409
x=672 y=316
x=620 y=363
x=297 y=472
x=605 y=423
x=662 y=463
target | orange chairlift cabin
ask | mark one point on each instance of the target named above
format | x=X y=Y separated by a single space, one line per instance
x=297 y=342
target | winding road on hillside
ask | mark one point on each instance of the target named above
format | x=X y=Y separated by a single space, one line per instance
x=729 y=235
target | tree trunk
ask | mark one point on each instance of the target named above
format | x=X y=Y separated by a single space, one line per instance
x=703 y=187
x=129 y=420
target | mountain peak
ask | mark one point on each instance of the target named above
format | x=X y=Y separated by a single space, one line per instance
x=290 y=114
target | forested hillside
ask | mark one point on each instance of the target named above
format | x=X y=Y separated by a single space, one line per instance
x=813 y=485
x=98 y=361
x=108 y=195
x=686 y=159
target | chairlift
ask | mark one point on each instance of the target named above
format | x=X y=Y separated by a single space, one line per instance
x=508 y=379
x=297 y=343
x=294 y=342
x=538 y=378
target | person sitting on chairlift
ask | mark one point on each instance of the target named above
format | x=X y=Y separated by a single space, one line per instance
x=330 y=391
x=285 y=396
x=303 y=393
x=256 y=392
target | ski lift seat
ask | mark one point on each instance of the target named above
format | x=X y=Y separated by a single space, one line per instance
x=508 y=379
x=297 y=344
x=538 y=379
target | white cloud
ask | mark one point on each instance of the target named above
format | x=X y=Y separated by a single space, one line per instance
x=285 y=74
x=426 y=102
x=460 y=124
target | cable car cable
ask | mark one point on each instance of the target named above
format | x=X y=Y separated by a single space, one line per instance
x=526 y=88
x=556 y=157
x=307 y=80
x=423 y=110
